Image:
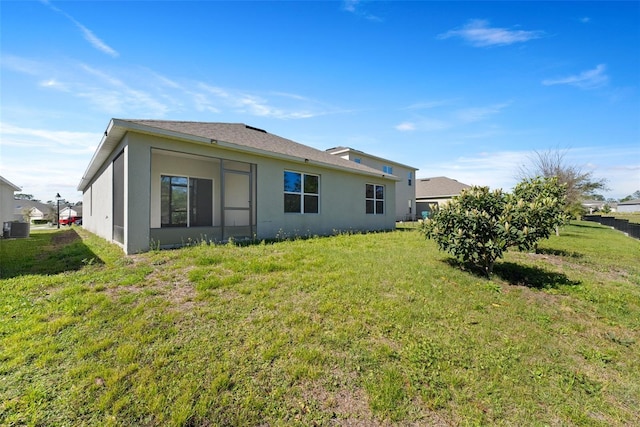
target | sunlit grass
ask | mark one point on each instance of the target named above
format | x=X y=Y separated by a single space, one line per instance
x=346 y=329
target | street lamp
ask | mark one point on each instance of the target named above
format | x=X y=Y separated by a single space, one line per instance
x=58 y=204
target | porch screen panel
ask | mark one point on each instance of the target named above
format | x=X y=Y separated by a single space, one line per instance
x=118 y=198
x=200 y=202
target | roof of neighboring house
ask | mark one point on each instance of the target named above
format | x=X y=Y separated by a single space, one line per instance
x=231 y=136
x=630 y=202
x=76 y=208
x=340 y=150
x=439 y=186
x=7 y=182
x=19 y=205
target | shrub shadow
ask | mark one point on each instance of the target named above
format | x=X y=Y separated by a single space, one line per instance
x=531 y=277
x=63 y=251
x=559 y=252
x=518 y=275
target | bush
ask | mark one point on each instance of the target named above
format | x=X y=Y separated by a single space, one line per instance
x=479 y=225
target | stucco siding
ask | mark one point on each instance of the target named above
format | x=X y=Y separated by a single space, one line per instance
x=6 y=203
x=99 y=198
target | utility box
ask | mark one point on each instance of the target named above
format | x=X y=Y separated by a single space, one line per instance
x=14 y=230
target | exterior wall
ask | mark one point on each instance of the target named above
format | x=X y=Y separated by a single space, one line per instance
x=342 y=202
x=405 y=203
x=97 y=201
x=628 y=208
x=6 y=203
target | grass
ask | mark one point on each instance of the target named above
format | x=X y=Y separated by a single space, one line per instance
x=376 y=329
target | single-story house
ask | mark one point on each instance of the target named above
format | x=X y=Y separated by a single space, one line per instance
x=71 y=212
x=597 y=205
x=436 y=191
x=155 y=183
x=629 y=206
x=405 y=187
x=7 y=189
x=32 y=211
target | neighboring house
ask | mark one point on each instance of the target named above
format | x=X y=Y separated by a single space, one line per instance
x=158 y=183
x=71 y=212
x=7 y=189
x=405 y=208
x=436 y=191
x=32 y=211
x=597 y=205
x=629 y=206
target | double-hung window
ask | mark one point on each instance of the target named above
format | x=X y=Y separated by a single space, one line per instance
x=301 y=192
x=387 y=169
x=374 y=199
x=186 y=202
x=409 y=178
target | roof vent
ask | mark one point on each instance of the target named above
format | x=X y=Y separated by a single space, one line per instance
x=256 y=129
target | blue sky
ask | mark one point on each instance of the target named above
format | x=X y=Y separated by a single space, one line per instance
x=468 y=90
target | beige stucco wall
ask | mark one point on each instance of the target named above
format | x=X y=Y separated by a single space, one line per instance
x=6 y=203
x=99 y=198
x=342 y=194
x=405 y=196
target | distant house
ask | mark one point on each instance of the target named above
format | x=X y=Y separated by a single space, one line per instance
x=71 y=212
x=597 y=205
x=405 y=188
x=436 y=191
x=32 y=211
x=7 y=190
x=154 y=183
x=629 y=206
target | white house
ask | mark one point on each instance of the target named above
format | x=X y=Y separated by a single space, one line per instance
x=162 y=183
x=6 y=200
x=405 y=208
x=629 y=206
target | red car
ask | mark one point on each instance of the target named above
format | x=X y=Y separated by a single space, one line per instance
x=72 y=220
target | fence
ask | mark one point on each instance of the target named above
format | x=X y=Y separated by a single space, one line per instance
x=630 y=228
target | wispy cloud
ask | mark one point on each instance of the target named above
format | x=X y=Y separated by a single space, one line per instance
x=355 y=7
x=590 y=79
x=451 y=119
x=88 y=35
x=478 y=33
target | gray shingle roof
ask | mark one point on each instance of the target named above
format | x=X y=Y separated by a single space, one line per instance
x=236 y=136
x=439 y=186
x=630 y=202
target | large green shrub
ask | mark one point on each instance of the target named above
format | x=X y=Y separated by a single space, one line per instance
x=479 y=225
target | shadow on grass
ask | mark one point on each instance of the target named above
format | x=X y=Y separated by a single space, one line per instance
x=531 y=277
x=519 y=275
x=45 y=253
x=559 y=252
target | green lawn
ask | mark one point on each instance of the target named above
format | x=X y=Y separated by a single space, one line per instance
x=358 y=330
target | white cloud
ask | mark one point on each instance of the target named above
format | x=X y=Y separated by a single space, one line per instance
x=590 y=79
x=479 y=34
x=406 y=126
x=355 y=7
x=88 y=35
x=476 y=114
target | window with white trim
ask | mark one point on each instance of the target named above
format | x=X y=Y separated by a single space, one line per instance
x=387 y=169
x=374 y=199
x=409 y=178
x=301 y=192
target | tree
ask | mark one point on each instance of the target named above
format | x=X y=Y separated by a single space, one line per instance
x=635 y=195
x=578 y=183
x=23 y=196
x=479 y=225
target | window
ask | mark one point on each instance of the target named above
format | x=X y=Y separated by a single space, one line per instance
x=409 y=178
x=186 y=202
x=301 y=192
x=357 y=160
x=374 y=199
x=387 y=169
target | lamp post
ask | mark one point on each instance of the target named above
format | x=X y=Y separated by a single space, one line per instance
x=58 y=205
